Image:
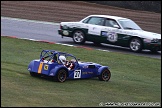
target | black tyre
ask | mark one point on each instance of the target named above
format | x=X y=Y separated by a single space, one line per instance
x=34 y=74
x=78 y=37
x=61 y=75
x=105 y=75
x=135 y=45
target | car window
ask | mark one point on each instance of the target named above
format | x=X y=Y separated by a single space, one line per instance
x=86 y=20
x=110 y=23
x=129 y=24
x=96 y=21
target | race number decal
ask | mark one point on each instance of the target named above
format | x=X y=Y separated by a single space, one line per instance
x=77 y=74
x=112 y=36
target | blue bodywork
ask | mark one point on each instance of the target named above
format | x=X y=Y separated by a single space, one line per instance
x=49 y=64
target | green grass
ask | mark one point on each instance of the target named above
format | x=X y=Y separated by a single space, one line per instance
x=134 y=78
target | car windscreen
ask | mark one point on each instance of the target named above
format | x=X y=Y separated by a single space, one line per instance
x=129 y=24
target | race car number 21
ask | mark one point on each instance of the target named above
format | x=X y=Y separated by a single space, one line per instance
x=77 y=74
x=112 y=37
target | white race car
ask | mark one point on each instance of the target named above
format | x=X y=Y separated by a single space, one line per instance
x=111 y=30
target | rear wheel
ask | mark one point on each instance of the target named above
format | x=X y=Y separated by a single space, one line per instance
x=135 y=45
x=61 y=75
x=105 y=75
x=78 y=37
x=34 y=74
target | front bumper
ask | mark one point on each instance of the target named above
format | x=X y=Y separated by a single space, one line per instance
x=153 y=46
x=60 y=32
x=64 y=33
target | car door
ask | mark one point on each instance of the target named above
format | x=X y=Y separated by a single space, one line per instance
x=102 y=30
x=95 y=25
x=109 y=32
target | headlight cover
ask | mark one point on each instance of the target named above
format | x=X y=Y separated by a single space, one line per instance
x=155 y=40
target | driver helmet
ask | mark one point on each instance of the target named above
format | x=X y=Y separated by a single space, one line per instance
x=62 y=59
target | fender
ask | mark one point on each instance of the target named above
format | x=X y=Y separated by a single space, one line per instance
x=33 y=65
x=30 y=66
x=54 y=71
x=101 y=69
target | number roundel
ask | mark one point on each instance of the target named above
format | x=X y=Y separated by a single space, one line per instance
x=77 y=74
x=112 y=37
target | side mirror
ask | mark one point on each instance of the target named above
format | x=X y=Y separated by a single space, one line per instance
x=116 y=26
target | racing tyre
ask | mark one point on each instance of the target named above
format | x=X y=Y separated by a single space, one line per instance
x=105 y=75
x=61 y=75
x=33 y=74
x=78 y=37
x=135 y=45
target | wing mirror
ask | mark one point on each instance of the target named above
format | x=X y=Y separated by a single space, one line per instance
x=116 y=26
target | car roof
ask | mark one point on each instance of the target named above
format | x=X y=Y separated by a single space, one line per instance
x=109 y=16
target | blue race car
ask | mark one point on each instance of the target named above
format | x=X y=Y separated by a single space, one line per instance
x=62 y=66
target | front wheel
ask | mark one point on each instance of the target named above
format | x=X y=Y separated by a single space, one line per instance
x=61 y=75
x=135 y=45
x=105 y=75
x=78 y=37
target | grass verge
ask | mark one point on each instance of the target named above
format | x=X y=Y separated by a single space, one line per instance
x=134 y=78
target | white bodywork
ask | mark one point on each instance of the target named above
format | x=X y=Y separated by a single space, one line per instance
x=96 y=29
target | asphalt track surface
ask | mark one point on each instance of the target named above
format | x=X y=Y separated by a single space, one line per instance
x=48 y=31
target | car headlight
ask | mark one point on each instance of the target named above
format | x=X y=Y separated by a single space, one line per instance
x=155 y=40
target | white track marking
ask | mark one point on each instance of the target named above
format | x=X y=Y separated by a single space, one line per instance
x=26 y=20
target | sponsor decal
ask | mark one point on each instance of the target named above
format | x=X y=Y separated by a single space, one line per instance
x=45 y=67
x=87 y=72
x=111 y=36
x=104 y=33
x=84 y=73
x=85 y=66
x=95 y=30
